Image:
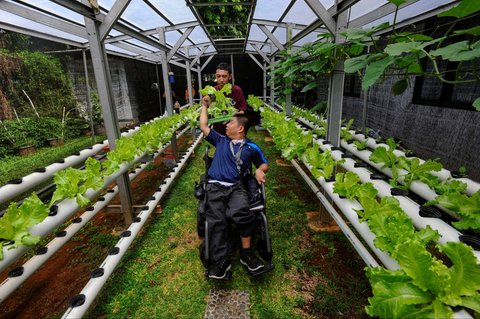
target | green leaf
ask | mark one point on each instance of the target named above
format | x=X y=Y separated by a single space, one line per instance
x=208 y=90
x=344 y=184
x=309 y=86
x=314 y=66
x=220 y=119
x=427 y=272
x=476 y=104
x=397 y=2
x=394 y=295
x=465 y=8
x=472 y=31
x=400 y=86
x=355 y=64
x=464 y=273
x=459 y=51
x=375 y=70
x=472 y=302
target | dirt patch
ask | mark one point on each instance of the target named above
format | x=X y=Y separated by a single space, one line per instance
x=315 y=223
x=46 y=293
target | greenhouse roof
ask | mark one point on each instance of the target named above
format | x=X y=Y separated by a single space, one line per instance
x=132 y=27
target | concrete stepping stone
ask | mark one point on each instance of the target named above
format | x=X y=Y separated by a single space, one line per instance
x=228 y=304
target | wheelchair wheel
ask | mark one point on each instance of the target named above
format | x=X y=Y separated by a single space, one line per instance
x=201 y=251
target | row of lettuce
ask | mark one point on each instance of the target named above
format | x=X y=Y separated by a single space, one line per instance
x=425 y=286
x=72 y=183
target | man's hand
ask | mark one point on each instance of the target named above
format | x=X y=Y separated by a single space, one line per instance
x=206 y=100
x=260 y=176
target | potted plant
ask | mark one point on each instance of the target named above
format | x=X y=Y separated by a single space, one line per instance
x=25 y=146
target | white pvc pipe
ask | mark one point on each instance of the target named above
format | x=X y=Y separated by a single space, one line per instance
x=93 y=287
x=443 y=174
x=66 y=208
x=9 y=191
x=12 y=283
x=356 y=243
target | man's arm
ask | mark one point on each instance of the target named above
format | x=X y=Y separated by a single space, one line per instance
x=204 y=115
x=260 y=173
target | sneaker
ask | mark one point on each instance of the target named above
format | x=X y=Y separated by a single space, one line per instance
x=252 y=262
x=219 y=269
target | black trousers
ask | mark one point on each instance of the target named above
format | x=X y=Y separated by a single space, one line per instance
x=225 y=205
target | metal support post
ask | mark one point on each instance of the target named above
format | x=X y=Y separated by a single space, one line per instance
x=200 y=80
x=89 y=101
x=272 y=81
x=233 y=70
x=103 y=80
x=264 y=81
x=335 y=92
x=167 y=87
x=189 y=78
x=162 y=110
x=288 y=97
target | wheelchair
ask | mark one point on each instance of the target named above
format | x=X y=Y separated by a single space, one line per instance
x=260 y=238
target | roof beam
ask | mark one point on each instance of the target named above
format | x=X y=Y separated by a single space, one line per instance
x=40 y=35
x=179 y=43
x=262 y=54
x=272 y=37
x=278 y=24
x=78 y=7
x=334 y=11
x=256 y=61
x=112 y=17
x=90 y=13
x=322 y=13
x=43 y=19
x=216 y=4
x=197 y=57
x=381 y=12
x=206 y=62
x=152 y=56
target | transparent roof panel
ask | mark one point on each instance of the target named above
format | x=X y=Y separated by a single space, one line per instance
x=365 y=6
x=300 y=13
x=175 y=10
x=57 y=10
x=270 y=9
x=410 y=11
x=256 y=34
x=140 y=14
x=281 y=34
x=198 y=35
x=37 y=27
x=112 y=47
x=142 y=45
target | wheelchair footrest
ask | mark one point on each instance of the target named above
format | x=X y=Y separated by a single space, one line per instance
x=268 y=267
x=228 y=276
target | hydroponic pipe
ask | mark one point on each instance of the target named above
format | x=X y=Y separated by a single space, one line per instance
x=9 y=191
x=411 y=208
x=384 y=189
x=81 y=302
x=42 y=255
x=416 y=186
x=65 y=209
x=348 y=207
x=443 y=174
x=356 y=243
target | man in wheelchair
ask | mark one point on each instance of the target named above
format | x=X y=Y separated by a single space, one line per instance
x=226 y=197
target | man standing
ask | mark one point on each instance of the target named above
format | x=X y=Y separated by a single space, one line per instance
x=227 y=199
x=223 y=75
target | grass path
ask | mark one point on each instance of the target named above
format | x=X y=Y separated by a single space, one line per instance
x=162 y=277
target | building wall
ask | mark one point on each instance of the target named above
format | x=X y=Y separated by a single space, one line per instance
x=135 y=100
x=450 y=135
